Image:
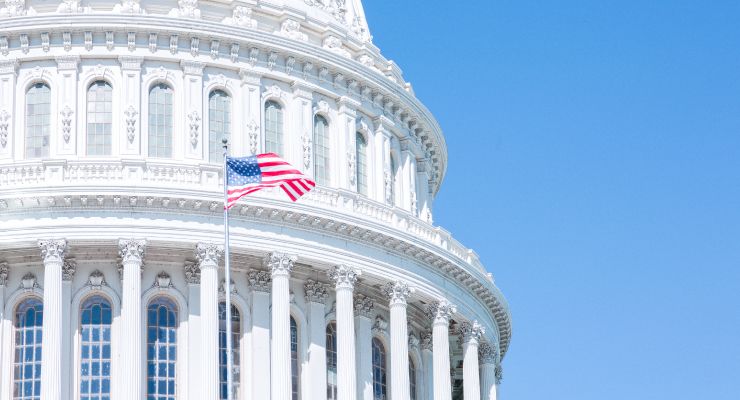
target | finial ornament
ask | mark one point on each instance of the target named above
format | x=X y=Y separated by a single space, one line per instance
x=192 y=273
x=398 y=292
x=53 y=250
x=3 y=273
x=209 y=254
x=280 y=263
x=471 y=332
x=131 y=250
x=487 y=353
x=68 y=269
x=259 y=281
x=29 y=282
x=344 y=276
x=315 y=292
x=441 y=311
x=96 y=279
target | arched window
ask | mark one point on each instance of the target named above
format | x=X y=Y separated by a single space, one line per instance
x=95 y=345
x=161 y=112
x=361 y=159
x=99 y=118
x=235 y=340
x=412 y=379
x=219 y=123
x=392 y=184
x=331 y=361
x=379 y=379
x=294 y=373
x=273 y=128
x=321 y=155
x=161 y=349
x=29 y=317
x=38 y=120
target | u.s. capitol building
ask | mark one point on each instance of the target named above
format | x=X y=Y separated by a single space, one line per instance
x=111 y=230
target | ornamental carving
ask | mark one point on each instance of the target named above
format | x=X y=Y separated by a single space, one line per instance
x=253 y=132
x=66 y=114
x=441 y=311
x=291 y=29
x=68 y=269
x=380 y=327
x=192 y=273
x=222 y=286
x=359 y=28
x=194 y=125
x=486 y=353
x=96 y=280
x=334 y=44
x=163 y=281
x=4 y=273
x=471 y=332
x=427 y=341
x=14 y=8
x=131 y=114
x=28 y=282
x=241 y=16
x=344 y=276
x=259 y=281
x=315 y=292
x=364 y=306
x=498 y=374
x=71 y=7
x=4 y=124
x=209 y=254
x=336 y=8
x=131 y=250
x=128 y=7
x=351 y=165
x=280 y=263
x=306 y=139
x=398 y=292
x=388 y=186
x=186 y=9
x=53 y=250
x=413 y=341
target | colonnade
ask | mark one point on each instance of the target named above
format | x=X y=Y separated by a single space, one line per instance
x=271 y=332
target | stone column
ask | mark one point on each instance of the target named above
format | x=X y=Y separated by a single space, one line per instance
x=441 y=311
x=316 y=294
x=131 y=252
x=68 y=272
x=208 y=256
x=345 y=278
x=427 y=361
x=487 y=357
x=364 y=314
x=52 y=253
x=260 y=283
x=280 y=266
x=398 y=293
x=470 y=334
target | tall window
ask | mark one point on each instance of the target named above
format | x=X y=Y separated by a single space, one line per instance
x=38 y=120
x=412 y=379
x=273 y=128
x=392 y=185
x=160 y=121
x=331 y=361
x=219 y=123
x=379 y=380
x=99 y=118
x=235 y=338
x=161 y=349
x=361 y=159
x=29 y=317
x=95 y=327
x=295 y=382
x=321 y=150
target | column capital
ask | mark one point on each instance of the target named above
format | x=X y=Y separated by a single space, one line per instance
x=398 y=292
x=53 y=250
x=487 y=353
x=441 y=311
x=427 y=341
x=364 y=306
x=9 y=66
x=130 y=63
x=3 y=274
x=190 y=67
x=68 y=269
x=499 y=373
x=209 y=254
x=316 y=292
x=131 y=250
x=471 y=332
x=280 y=263
x=192 y=273
x=259 y=281
x=67 y=62
x=344 y=276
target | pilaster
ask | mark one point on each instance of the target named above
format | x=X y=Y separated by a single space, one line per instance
x=345 y=156
x=8 y=109
x=251 y=118
x=195 y=328
x=4 y=326
x=192 y=111
x=130 y=140
x=66 y=142
x=364 y=314
x=68 y=272
x=316 y=294
x=302 y=132
x=260 y=283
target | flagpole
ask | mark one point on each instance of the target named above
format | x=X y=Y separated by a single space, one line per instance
x=227 y=284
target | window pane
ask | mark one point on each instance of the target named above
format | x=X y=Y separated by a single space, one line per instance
x=321 y=150
x=38 y=120
x=160 y=121
x=161 y=349
x=273 y=128
x=235 y=342
x=295 y=382
x=27 y=361
x=95 y=358
x=99 y=118
x=361 y=159
x=219 y=120
x=379 y=381
x=331 y=361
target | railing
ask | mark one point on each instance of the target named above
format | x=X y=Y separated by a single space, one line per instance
x=207 y=178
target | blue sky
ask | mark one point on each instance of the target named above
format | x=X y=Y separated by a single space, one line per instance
x=605 y=140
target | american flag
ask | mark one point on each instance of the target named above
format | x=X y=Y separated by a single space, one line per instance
x=247 y=175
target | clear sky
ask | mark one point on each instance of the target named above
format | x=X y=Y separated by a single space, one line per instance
x=594 y=165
